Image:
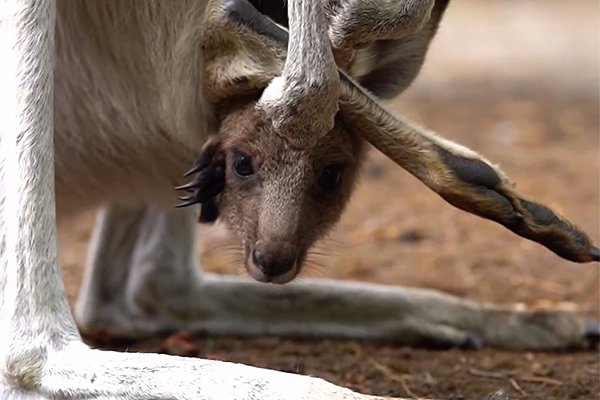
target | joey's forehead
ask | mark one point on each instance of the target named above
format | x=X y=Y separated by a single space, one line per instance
x=288 y=163
x=275 y=153
x=334 y=145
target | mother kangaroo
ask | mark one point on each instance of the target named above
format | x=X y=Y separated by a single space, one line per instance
x=136 y=93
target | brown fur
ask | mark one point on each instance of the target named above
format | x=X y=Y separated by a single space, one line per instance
x=283 y=204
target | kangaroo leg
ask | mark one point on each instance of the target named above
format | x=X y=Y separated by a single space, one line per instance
x=356 y=23
x=302 y=102
x=142 y=275
x=142 y=278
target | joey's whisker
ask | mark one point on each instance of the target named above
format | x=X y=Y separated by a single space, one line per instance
x=225 y=246
x=315 y=271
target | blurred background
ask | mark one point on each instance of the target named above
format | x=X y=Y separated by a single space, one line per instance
x=517 y=81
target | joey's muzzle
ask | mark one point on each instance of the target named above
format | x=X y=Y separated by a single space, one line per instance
x=272 y=261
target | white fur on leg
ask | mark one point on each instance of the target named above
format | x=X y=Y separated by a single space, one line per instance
x=30 y=319
x=106 y=274
x=142 y=275
x=355 y=23
x=77 y=372
x=302 y=103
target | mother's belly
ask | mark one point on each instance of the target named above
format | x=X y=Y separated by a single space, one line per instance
x=92 y=171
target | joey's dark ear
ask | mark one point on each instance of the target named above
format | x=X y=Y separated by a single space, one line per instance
x=241 y=51
x=392 y=65
x=208 y=181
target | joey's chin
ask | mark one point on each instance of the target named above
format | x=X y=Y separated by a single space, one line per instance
x=257 y=274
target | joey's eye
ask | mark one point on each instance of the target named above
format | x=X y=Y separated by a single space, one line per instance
x=242 y=165
x=331 y=177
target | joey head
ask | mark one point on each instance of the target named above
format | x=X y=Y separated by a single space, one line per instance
x=277 y=199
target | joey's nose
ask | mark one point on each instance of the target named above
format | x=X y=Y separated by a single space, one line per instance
x=273 y=260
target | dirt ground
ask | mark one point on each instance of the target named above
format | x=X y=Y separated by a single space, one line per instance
x=518 y=82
